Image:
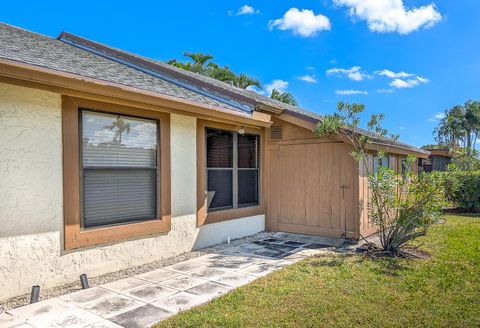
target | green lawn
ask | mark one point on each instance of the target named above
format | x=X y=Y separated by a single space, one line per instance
x=353 y=291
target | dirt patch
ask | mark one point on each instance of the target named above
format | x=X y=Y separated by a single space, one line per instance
x=417 y=253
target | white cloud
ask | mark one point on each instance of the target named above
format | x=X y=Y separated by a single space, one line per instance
x=401 y=128
x=410 y=83
x=308 y=78
x=257 y=90
x=355 y=73
x=279 y=85
x=350 y=92
x=302 y=22
x=437 y=117
x=393 y=75
x=247 y=10
x=391 y=15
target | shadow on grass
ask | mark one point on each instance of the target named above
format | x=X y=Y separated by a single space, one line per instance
x=392 y=267
x=319 y=261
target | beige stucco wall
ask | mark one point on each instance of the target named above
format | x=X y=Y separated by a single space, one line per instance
x=31 y=209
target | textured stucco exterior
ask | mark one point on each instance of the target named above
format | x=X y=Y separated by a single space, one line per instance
x=31 y=205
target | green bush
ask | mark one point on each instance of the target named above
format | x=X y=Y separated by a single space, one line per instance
x=462 y=189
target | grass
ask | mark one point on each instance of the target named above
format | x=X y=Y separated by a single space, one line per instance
x=353 y=291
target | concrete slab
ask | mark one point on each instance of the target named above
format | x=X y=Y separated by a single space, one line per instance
x=184 y=267
x=143 y=316
x=231 y=262
x=180 y=302
x=270 y=253
x=234 y=279
x=8 y=320
x=53 y=305
x=157 y=276
x=207 y=273
x=209 y=289
x=124 y=285
x=73 y=318
x=182 y=282
x=294 y=243
x=150 y=293
x=113 y=305
x=104 y=324
x=87 y=295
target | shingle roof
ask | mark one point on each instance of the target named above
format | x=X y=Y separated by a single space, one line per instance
x=75 y=55
x=39 y=50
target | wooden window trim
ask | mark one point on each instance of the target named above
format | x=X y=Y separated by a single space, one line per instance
x=203 y=217
x=75 y=236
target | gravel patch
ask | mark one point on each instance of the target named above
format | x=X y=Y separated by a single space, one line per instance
x=129 y=272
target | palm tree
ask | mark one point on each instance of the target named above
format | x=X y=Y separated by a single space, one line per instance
x=199 y=58
x=244 y=81
x=121 y=127
x=460 y=126
x=472 y=123
x=223 y=74
x=198 y=64
x=285 y=97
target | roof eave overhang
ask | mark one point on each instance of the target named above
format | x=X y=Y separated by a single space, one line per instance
x=78 y=86
x=263 y=107
x=310 y=124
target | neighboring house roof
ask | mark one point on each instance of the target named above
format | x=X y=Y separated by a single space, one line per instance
x=75 y=55
x=440 y=152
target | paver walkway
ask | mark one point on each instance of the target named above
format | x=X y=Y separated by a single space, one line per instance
x=147 y=298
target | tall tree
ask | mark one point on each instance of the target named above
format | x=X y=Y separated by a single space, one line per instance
x=460 y=127
x=285 y=97
x=244 y=81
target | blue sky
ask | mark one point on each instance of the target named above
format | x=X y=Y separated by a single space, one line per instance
x=435 y=41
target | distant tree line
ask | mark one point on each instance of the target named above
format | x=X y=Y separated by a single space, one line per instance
x=460 y=127
x=202 y=64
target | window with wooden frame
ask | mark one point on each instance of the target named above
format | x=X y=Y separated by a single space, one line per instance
x=229 y=172
x=116 y=172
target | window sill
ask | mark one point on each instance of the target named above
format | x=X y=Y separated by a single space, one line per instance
x=225 y=215
x=111 y=234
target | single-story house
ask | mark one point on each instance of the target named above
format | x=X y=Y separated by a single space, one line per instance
x=110 y=160
x=438 y=160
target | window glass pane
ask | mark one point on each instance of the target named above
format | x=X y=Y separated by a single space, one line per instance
x=247 y=151
x=247 y=187
x=118 y=196
x=377 y=162
x=219 y=148
x=119 y=157
x=220 y=189
x=120 y=141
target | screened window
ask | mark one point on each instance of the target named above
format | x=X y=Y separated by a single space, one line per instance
x=232 y=169
x=380 y=161
x=119 y=168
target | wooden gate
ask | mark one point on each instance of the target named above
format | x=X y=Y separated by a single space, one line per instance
x=312 y=189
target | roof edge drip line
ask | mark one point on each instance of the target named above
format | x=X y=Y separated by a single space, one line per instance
x=243 y=108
